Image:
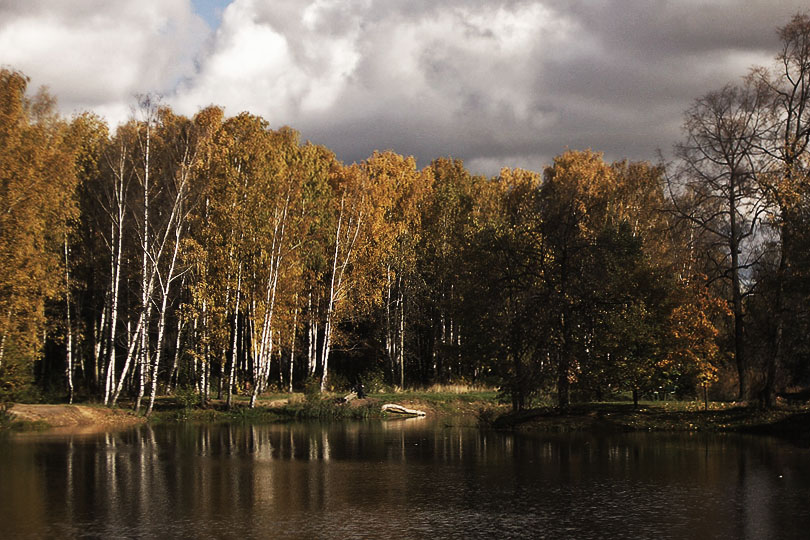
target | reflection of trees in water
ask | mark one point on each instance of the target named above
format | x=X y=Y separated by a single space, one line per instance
x=251 y=478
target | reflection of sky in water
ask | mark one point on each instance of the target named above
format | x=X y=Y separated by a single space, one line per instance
x=404 y=479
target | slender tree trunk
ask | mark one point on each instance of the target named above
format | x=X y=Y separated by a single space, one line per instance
x=389 y=338
x=116 y=262
x=145 y=296
x=774 y=359
x=401 y=336
x=132 y=351
x=336 y=283
x=234 y=349
x=739 y=332
x=99 y=351
x=177 y=343
x=564 y=366
x=292 y=348
x=312 y=339
x=69 y=322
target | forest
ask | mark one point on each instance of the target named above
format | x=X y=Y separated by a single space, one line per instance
x=222 y=255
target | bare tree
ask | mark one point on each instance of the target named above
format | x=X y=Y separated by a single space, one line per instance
x=718 y=172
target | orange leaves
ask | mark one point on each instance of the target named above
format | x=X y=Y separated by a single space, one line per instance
x=693 y=346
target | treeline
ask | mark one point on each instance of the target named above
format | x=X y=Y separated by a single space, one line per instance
x=218 y=253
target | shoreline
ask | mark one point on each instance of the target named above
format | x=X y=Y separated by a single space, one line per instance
x=64 y=418
x=787 y=423
x=792 y=424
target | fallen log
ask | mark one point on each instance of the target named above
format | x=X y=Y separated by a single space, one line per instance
x=400 y=410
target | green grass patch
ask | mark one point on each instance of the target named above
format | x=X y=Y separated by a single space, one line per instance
x=659 y=416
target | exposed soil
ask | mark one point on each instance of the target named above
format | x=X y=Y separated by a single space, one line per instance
x=70 y=418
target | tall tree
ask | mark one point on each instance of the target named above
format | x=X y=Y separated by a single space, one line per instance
x=787 y=141
x=720 y=165
x=37 y=206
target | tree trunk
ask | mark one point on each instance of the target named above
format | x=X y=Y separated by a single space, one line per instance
x=564 y=365
x=292 y=347
x=234 y=348
x=145 y=246
x=69 y=329
x=401 y=337
x=116 y=262
x=177 y=343
x=739 y=333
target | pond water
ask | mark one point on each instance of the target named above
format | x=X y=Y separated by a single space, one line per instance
x=399 y=479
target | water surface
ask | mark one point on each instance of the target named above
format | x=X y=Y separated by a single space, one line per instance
x=399 y=479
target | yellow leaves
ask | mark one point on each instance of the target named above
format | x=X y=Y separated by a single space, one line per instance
x=37 y=185
x=579 y=187
x=693 y=333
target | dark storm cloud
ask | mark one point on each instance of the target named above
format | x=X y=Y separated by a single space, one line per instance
x=612 y=76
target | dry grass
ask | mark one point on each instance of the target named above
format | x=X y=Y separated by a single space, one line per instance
x=458 y=388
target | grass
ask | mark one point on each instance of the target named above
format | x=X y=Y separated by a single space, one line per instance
x=279 y=407
x=481 y=403
x=789 y=422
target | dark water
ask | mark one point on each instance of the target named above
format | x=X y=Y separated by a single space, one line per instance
x=402 y=479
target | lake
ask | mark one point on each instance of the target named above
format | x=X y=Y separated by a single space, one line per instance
x=399 y=479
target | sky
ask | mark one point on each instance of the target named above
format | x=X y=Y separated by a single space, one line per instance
x=507 y=83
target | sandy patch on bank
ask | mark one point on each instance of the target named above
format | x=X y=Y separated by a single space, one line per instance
x=81 y=418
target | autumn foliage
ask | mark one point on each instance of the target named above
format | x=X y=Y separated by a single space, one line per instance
x=222 y=254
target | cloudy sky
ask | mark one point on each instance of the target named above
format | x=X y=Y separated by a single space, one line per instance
x=496 y=83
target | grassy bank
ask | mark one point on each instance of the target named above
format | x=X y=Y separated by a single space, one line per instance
x=271 y=407
x=787 y=422
x=328 y=406
x=474 y=405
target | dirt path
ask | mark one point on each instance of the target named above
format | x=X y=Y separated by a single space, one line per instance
x=76 y=417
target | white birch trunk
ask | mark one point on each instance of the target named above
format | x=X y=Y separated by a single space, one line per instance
x=266 y=349
x=292 y=347
x=234 y=348
x=173 y=372
x=145 y=296
x=401 y=336
x=132 y=351
x=165 y=289
x=98 y=340
x=116 y=262
x=69 y=344
x=336 y=282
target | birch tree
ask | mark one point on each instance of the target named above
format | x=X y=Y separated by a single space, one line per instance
x=37 y=204
x=400 y=190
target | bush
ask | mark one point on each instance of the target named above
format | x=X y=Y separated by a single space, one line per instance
x=312 y=390
x=373 y=382
x=5 y=416
x=186 y=396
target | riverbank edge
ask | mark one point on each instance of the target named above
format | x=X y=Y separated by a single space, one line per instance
x=786 y=423
x=18 y=417
x=793 y=424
